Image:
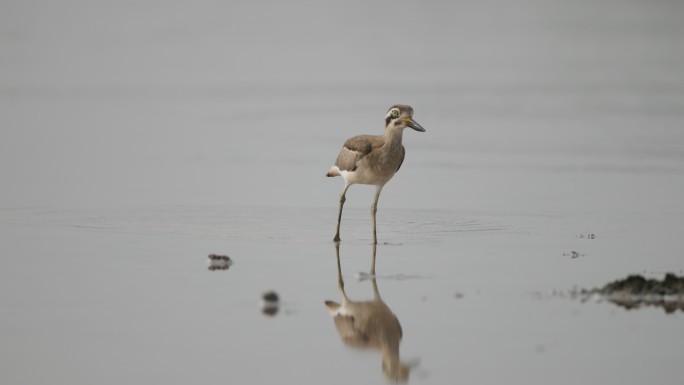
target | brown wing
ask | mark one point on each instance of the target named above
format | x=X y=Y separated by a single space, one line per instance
x=403 y=153
x=354 y=150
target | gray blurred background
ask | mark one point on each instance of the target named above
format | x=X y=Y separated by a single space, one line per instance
x=109 y=103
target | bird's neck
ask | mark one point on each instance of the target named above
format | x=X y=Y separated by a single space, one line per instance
x=393 y=135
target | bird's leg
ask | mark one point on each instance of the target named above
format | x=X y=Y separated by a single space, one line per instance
x=374 y=209
x=339 y=215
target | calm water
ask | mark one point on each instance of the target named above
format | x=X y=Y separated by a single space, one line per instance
x=139 y=138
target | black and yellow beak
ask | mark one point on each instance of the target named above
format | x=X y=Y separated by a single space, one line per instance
x=413 y=124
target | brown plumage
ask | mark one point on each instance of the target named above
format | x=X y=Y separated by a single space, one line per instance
x=374 y=159
x=359 y=147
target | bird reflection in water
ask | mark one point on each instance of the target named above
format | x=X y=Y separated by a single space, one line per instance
x=369 y=324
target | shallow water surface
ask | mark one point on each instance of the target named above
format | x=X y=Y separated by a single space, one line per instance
x=109 y=291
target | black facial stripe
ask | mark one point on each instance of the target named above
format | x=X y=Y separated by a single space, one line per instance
x=389 y=116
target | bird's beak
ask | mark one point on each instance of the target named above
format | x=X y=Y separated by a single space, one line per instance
x=413 y=124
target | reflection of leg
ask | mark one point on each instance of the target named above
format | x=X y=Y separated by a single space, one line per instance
x=376 y=292
x=339 y=215
x=374 y=209
x=340 y=281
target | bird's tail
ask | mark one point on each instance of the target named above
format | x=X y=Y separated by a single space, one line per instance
x=334 y=171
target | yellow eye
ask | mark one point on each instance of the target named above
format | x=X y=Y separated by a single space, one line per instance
x=395 y=113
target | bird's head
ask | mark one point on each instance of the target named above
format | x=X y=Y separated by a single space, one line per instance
x=400 y=116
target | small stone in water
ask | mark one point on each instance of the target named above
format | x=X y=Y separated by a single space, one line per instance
x=270 y=303
x=219 y=262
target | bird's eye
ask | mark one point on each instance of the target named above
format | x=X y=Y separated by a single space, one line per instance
x=395 y=113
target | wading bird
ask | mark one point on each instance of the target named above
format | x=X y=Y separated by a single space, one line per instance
x=373 y=159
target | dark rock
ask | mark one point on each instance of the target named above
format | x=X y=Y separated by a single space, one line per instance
x=217 y=257
x=635 y=290
x=219 y=262
x=270 y=296
x=270 y=303
x=638 y=285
